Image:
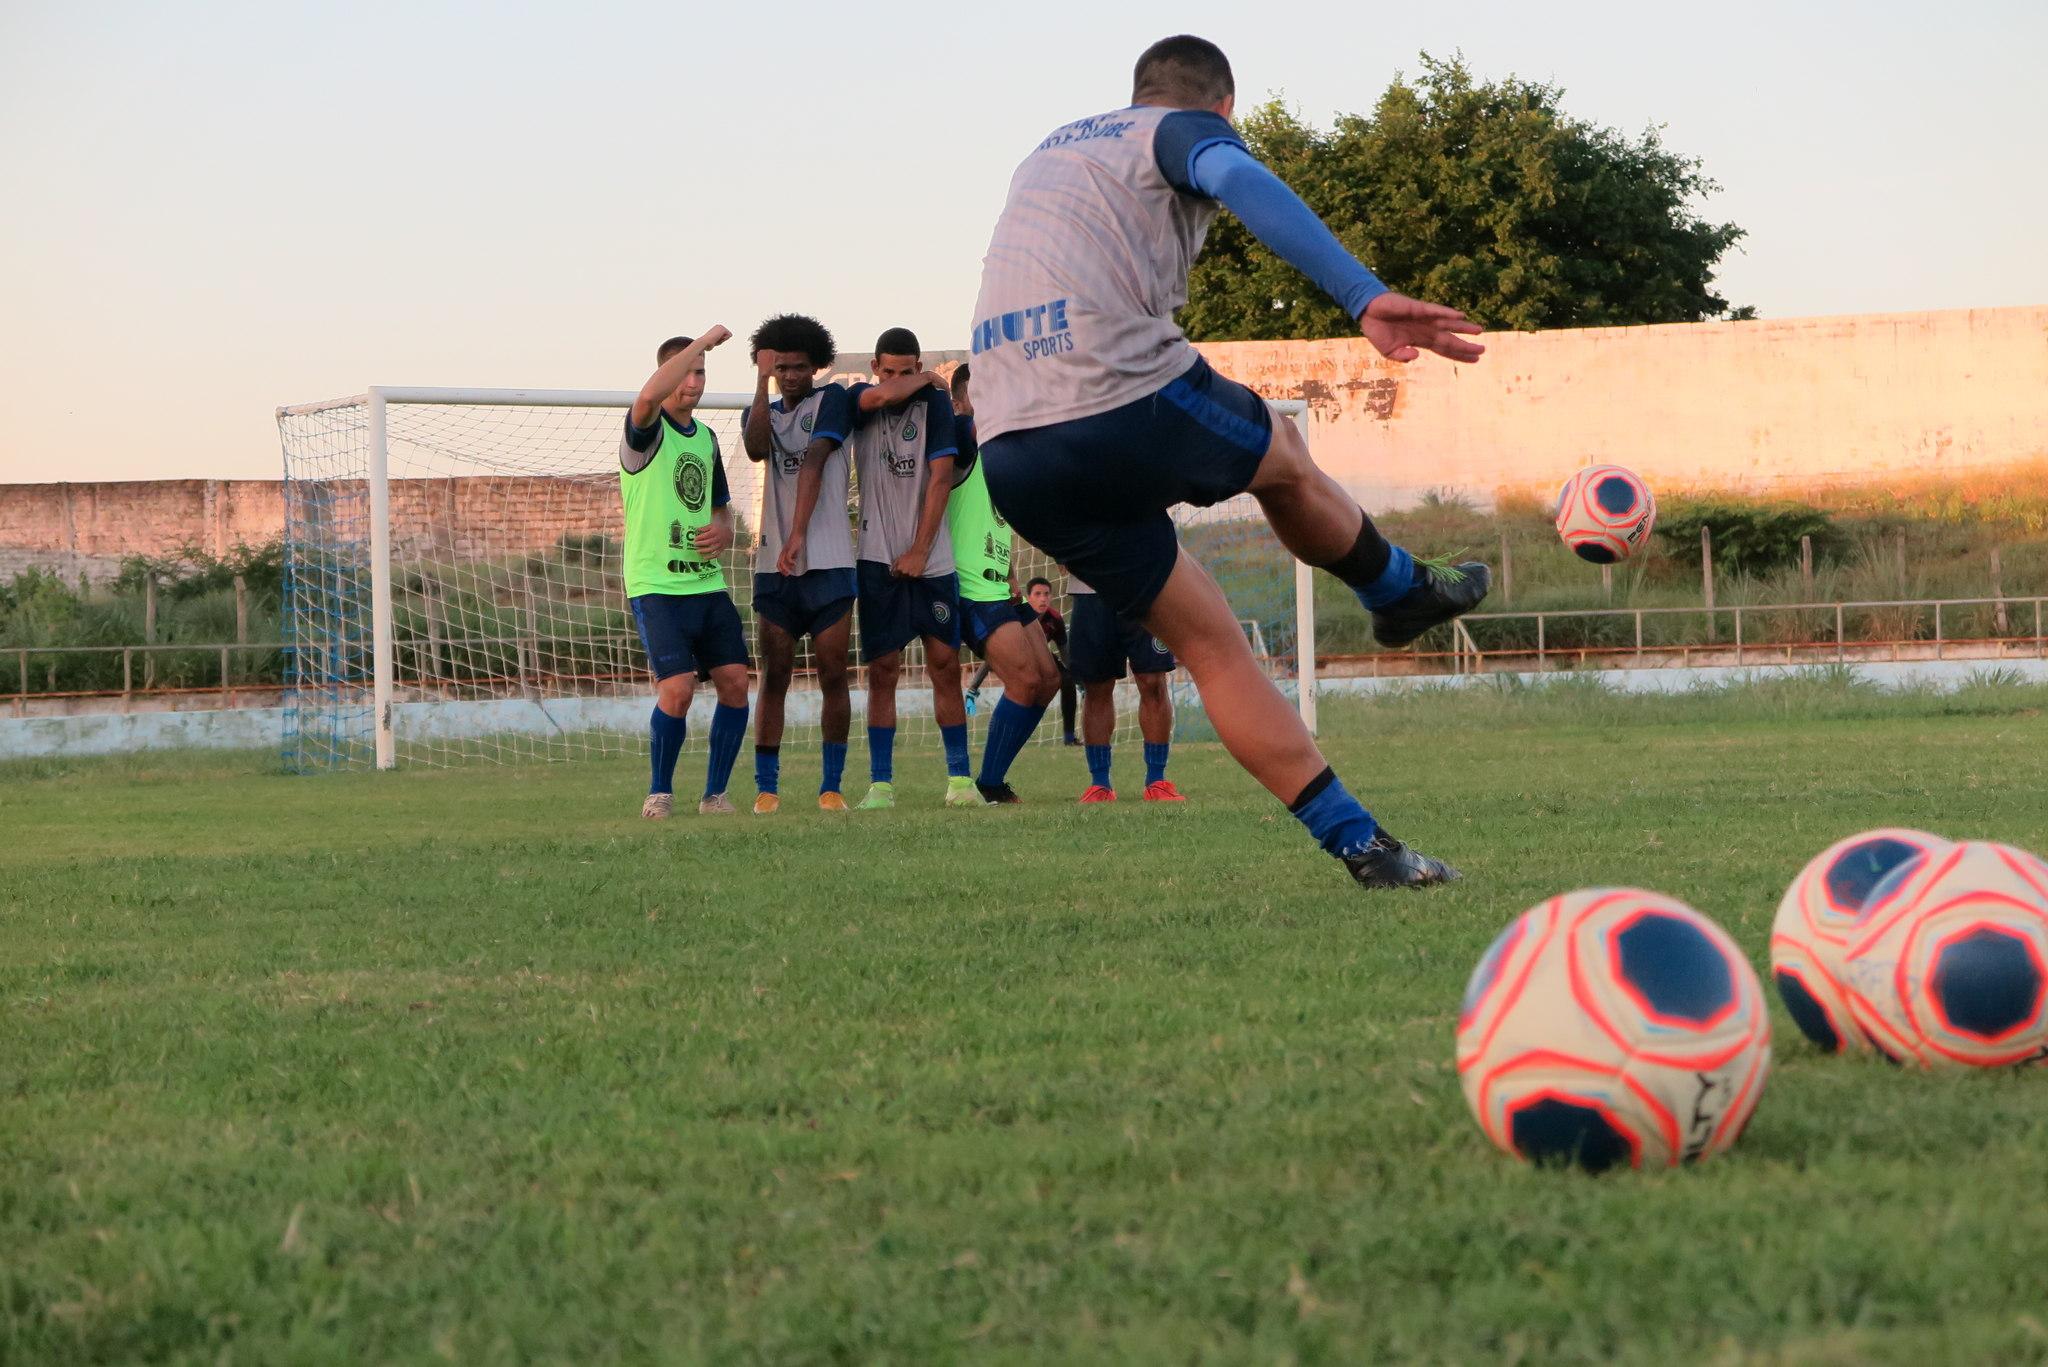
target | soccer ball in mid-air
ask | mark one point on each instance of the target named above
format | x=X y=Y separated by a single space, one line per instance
x=1950 y=965
x=1605 y=514
x=1613 y=1027
x=1816 y=918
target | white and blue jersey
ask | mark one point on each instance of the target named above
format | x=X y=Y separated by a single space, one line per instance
x=823 y=414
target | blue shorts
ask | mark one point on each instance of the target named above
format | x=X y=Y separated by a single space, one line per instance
x=686 y=631
x=979 y=621
x=1093 y=493
x=1100 y=644
x=805 y=604
x=894 y=612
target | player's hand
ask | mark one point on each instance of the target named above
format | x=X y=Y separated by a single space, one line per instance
x=792 y=551
x=764 y=363
x=715 y=335
x=1401 y=329
x=910 y=565
x=712 y=538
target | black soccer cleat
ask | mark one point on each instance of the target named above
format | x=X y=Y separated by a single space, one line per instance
x=1446 y=591
x=1387 y=863
x=999 y=793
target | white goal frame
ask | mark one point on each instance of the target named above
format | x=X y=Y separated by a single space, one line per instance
x=375 y=401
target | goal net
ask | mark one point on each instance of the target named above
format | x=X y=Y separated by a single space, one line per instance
x=454 y=592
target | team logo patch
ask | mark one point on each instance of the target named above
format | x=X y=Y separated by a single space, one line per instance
x=805 y=422
x=910 y=429
x=941 y=613
x=675 y=534
x=690 y=484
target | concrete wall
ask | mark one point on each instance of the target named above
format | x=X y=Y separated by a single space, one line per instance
x=1773 y=405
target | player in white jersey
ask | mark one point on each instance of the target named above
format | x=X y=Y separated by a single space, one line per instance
x=903 y=453
x=804 y=582
x=1096 y=415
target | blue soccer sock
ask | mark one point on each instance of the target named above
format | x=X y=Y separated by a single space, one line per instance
x=728 y=730
x=835 y=766
x=1155 y=761
x=881 y=754
x=665 y=735
x=767 y=768
x=958 y=763
x=1393 y=583
x=1098 y=765
x=1334 y=817
x=1008 y=728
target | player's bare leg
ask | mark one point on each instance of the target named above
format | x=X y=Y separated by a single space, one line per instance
x=836 y=706
x=885 y=673
x=1324 y=526
x=728 y=733
x=1265 y=734
x=778 y=665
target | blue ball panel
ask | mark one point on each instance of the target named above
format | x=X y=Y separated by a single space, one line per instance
x=1675 y=968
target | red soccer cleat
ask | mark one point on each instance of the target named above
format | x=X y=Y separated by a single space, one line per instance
x=1097 y=793
x=1164 y=791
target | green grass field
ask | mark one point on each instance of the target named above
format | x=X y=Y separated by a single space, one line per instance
x=477 y=1066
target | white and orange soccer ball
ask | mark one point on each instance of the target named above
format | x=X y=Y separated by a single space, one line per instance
x=1816 y=918
x=1606 y=514
x=1949 y=967
x=1613 y=1027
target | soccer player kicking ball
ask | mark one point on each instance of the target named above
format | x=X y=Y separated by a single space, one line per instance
x=1097 y=416
x=1004 y=630
x=903 y=451
x=803 y=580
x=678 y=522
x=1099 y=646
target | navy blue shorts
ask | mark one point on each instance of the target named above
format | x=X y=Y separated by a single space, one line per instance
x=1094 y=493
x=686 y=631
x=805 y=604
x=1100 y=644
x=894 y=612
x=979 y=621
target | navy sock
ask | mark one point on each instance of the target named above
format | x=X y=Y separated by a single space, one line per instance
x=665 y=736
x=1333 y=817
x=1008 y=728
x=1098 y=765
x=958 y=764
x=835 y=766
x=767 y=768
x=1393 y=583
x=1155 y=761
x=728 y=730
x=881 y=754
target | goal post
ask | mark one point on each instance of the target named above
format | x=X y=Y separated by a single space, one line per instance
x=454 y=584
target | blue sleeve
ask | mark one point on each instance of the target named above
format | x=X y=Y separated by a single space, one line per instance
x=643 y=439
x=855 y=418
x=834 y=420
x=1277 y=217
x=1184 y=135
x=721 y=492
x=939 y=439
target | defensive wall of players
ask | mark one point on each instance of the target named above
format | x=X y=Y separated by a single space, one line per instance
x=1773 y=404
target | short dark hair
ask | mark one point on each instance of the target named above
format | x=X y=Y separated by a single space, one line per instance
x=1182 y=70
x=670 y=348
x=960 y=378
x=898 y=342
x=1036 y=582
x=794 y=332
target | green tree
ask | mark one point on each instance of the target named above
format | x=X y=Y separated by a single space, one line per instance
x=1488 y=197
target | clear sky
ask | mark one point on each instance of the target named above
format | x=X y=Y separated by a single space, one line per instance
x=208 y=210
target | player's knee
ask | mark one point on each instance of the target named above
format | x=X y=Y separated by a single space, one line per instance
x=672 y=694
x=1152 y=688
x=832 y=675
x=730 y=684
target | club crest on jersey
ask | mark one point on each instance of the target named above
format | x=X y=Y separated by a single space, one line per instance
x=690 y=484
x=910 y=429
x=941 y=613
x=805 y=422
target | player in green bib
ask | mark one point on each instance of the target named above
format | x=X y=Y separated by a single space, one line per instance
x=678 y=523
x=993 y=618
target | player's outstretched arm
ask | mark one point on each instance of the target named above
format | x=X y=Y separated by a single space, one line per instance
x=670 y=373
x=1399 y=327
x=889 y=393
x=757 y=437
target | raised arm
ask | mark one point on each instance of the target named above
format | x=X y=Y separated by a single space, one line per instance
x=889 y=393
x=757 y=438
x=670 y=373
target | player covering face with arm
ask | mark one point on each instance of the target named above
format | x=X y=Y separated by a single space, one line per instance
x=678 y=520
x=804 y=581
x=1097 y=416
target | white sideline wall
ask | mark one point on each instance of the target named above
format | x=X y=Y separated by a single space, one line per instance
x=262 y=728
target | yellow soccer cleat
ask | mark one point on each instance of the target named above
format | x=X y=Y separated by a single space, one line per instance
x=831 y=802
x=767 y=804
